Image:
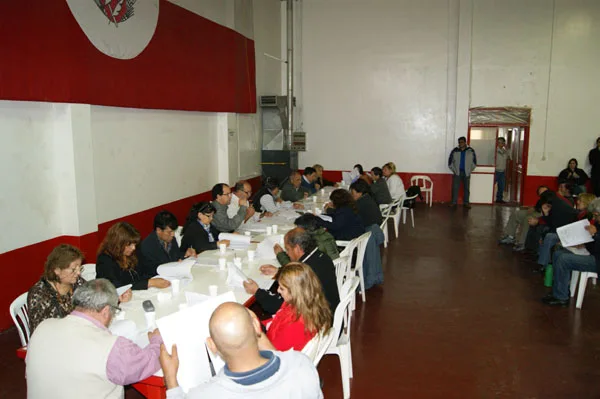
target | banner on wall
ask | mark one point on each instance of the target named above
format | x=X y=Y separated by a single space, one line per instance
x=123 y=53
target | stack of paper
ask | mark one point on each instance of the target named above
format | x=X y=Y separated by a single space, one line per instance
x=236 y=241
x=574 y=234
x=264 y=250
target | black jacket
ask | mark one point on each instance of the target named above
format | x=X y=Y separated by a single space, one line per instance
x=108 y=268
x=270 y=301
x=579 y=181
x=346 y=224
x=196 y=237
x=381 y=192
x=152 y=254
x=369 y=211
x=256 y=198
x=324 y=182
x=561 y=214
x=594 y=158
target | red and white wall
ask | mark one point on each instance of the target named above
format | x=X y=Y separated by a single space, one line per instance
x=72 y=170
x=392 y=80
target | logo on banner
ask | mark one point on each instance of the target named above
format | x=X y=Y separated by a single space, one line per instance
x=116 y=11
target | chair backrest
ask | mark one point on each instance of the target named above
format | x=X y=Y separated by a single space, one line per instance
x=178 y=235
x=363 y=240
x=342 y=264
x=316 y=347
x=347 y=292
x=18 y=312
x=386 y=213
x=422 y=181
x=88 y=271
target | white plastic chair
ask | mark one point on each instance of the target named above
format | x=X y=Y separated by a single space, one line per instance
x=88 y=271
x=384 y=225
x=178 y=235
x=18 y=312
x=342 y=264
x=341 y=347
x=583 y=278
x=396 y=212
x=360 y=243
x=404 y=209
x=426 y=185
x=316 y=347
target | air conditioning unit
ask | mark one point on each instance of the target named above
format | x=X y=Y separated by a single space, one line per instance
x=274 y=101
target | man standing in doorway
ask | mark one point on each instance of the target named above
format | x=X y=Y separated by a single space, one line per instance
x=461 y=162
x=502 y=157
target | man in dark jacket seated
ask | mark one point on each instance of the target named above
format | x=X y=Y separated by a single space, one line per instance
x=300 y=247
x=160 y=247
x=565 y=262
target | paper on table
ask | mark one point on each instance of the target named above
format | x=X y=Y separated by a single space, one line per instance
x=181 y=269
x=193 y=298
x=124 y=328
x=122 y=289
x=236 y=241
x=264 y=250
x=188 y=329
x=574 y=234
x=288 y=215
x=235 y=277
x=326 y=218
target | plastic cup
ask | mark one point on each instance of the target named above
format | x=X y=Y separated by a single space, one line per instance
x=275 y=228
x=237 y=262
x=322 y=191
x=213 y=290
x=150 y=320
x=318 y=211
x=314 y=198
x=269 y=230
x=120 y=315
x=175 y=285
x=251 y=255
x=248 y=233
x=222 y=263
x=223 y=248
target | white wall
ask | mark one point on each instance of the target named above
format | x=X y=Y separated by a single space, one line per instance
x=383 y=71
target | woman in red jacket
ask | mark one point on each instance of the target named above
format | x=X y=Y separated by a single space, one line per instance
x=304 y=312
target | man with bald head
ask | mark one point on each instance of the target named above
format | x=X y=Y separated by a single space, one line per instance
x=292 y=190
x=253 y=369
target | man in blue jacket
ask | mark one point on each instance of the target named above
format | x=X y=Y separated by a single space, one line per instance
x=461 y=162
x=308 y=180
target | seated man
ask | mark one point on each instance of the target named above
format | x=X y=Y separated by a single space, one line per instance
x=160 y=246
x=77 y=357
x=253 y=370
x=321 y=181
x=221 y=194
x=520 y=219
x=292 y=190
x=300 y=247
x=379 y=188
x=564 y=262
x=241 y=191
x=308 y=180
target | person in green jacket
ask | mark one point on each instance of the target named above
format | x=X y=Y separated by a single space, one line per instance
x=325 y=241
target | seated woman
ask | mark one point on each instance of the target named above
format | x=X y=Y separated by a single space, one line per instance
x=379 y=188
x=368 y=210
x=394 y=182
x=325 y=241
x=362 y=175
x=565 y=262
x=321 y=181
x=117 y=261
x=198 y=233
x=574 y=177
x=50 y=297
x=346 y=223
x=267 y=198
x=304 y=312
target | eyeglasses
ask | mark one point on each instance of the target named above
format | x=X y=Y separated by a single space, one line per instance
x=75 y=270
x=115 y=309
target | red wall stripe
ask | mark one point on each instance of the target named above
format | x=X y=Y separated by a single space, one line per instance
x=191 y=62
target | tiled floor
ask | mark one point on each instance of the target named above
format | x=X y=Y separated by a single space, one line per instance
x=458 y=317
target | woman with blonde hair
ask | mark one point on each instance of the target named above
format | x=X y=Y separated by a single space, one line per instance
x=394 y=182
x=305 y=310
x=118 y=263
x=50 y=297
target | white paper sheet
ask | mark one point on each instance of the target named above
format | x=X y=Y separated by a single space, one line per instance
x=177 y=270
x=188 y=329
x=264 y=250
x=121 y=290
x=193 y=298
x=326 y=218
x=124 y=328
x=235 y=277
x=578 y=251
x=236 y=241
x=574 y=234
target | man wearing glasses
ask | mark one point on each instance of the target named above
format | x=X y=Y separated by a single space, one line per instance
x=242 y=191
x=221 y=194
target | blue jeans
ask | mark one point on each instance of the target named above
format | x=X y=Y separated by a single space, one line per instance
x=564 y=263
x=545 y=252
x=501 y=180
x=466 y=180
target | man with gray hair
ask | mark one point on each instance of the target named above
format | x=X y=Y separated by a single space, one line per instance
x=77 y=357
x=292 y=190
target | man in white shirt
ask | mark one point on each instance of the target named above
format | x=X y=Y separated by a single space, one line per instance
x=242 y=190
x=253 y=369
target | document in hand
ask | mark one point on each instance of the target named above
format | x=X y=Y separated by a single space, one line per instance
x=264 y=250
x=574 y=234
x=188 y=329
x=177 y=270
x=236 y=241
x=235 y=277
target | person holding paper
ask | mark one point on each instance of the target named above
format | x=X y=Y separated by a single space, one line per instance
x=198 y=232
x=346 y=223
x=292 y=190
x=267 y=198
x=320 y=180
x=77 y=356
x=362 y=175
x=253 y=369
x=117 y=260
x=241 y=191
x=564 y=262
x=160 y=246
x=221 y=195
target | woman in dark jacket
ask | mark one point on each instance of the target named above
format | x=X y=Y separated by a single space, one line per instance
x=118 y=263
x=346 y=223
x=594 y=158
x=574 y=176
x=198 y=232
x=368 y=210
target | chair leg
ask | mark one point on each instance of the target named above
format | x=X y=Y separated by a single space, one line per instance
x=593 y=280
x=574 y=280
x=403 y=215
x=581 y=292
x=350 y=367
x=396 y=223
x=362 y=284
x=412 y=218
x=345 y=370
